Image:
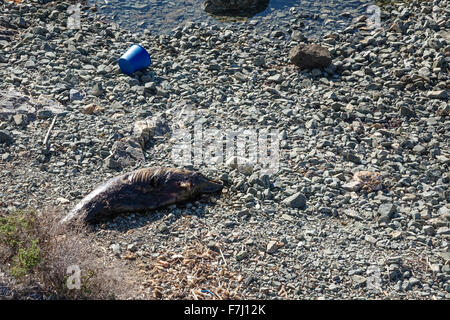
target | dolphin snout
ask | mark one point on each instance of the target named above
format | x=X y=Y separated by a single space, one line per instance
x=205 y=185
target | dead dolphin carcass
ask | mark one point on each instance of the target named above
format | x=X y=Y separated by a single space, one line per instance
x=141 y=190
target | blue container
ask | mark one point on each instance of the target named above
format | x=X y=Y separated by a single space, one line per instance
x=136 y=58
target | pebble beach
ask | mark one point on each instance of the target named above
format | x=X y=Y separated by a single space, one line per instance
x=312 y=229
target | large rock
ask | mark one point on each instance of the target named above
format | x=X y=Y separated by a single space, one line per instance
x=150 y=127
x=235 y=7
x=126 y=152
x=310 y=56
x=5 y=137
x=297 y=200
x=14 y=103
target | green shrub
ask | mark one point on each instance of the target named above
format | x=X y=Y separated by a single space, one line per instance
x=13 y=227
x=36 y=249
x=26 y=260
x=17 y=234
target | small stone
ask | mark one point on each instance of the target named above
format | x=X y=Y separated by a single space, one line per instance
x=243 y=213
x=325 y=210
x=44 y=114
x=212 y=245
x=358 y=281
x=419 y=149
x=253 y=179
x=406 y=286
x=273 y=246
x=445 y=256
x=243 y=165
x=75 y=95
x=393 y=260
x=386 y=210
x=20 y=119
x=395 y=235
x=112 y=164
x=89 y=109
x=62 y=200
x=5 y=137
x=350 y=156
x=162 y=228
x=297 y=200
x=115 y=248
x=443 y=231
x=127 y=151
x=370 y=239
x=259 y=61
x=30 y=64
x=132 y=247
x=242 y=255
x=435 y=268
x=353 y=214
x=437 y=94
x=97 y=90
x=287 y=217
x=276 y=78
x=130 y=256
x=333 y=287
x=414 y=282
x=352 y=186
x=310 y=56
x=229 y=224
x=429 y=230
x=407 y=112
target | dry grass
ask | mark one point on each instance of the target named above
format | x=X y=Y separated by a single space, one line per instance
x=198 y=273
x=37 y=250
x=371 y=181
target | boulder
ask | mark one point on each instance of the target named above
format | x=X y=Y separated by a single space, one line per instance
x=150 y=127
x=126 y=152
x=310 y=56
x=14 y=103
x=235 y=7
x=297 y=200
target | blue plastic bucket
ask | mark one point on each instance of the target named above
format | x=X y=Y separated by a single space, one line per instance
x=136 y=58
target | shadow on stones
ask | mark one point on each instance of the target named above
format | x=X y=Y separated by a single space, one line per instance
x=155 y=217
x=239 y=15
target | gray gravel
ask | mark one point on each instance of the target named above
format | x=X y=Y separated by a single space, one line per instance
x=301 y=233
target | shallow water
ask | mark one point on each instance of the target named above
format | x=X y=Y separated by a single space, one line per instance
x=161 y=16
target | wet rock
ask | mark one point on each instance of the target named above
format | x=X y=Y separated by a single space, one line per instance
x=232 y=7
x=310 y=56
